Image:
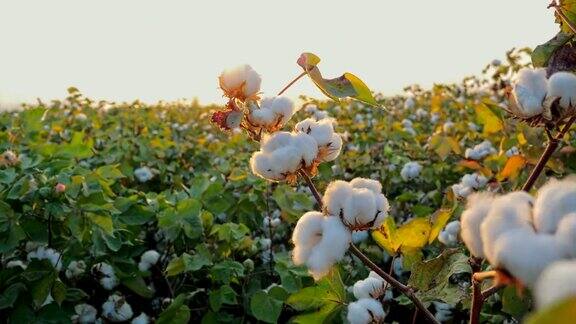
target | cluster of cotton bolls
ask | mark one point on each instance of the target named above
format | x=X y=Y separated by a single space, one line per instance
x=107 y=275
x=322 y=238
x=148 y=259
x=316 y=113
x=480 y=151
x=368 y=308
x=449 y=235
x=410 y=170
x=43 y=253
x=531 y=88
x=408 y=127
x=522 y=234
x=468 y=184
x=272 y=113
x=283 y=154
x=117 y=309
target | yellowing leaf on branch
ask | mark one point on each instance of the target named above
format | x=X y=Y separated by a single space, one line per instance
x=475 y=165
x=512 y=168
x=443 y=145
x=344 y=86
x=439 y=220
x=491 y=122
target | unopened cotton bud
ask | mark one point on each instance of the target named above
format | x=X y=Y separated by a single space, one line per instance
x=60 y=187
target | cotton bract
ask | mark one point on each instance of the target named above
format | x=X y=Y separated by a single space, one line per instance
x=241 y=82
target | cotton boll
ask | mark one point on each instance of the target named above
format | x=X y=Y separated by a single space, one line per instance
x=529 y=91
x=278 y=140
x=447 y=238
x=143 y=174
x=410 y=170
x=476 y=211
x=108 y=278
x=443 y=312
x=116 y=309
x=16 y=263
x=148 y=259
x=360 y=236
x=453 y=227
x=448 y=126
x=241 y=82
x=512 y=151
x=480 y=151
x=261 y=165
x=335 y=196
x=141 y=319
x=461 y=190
x=368 y=288
x=566 y=234
x=321 y=131
x=554 y=200
x=409 y=103
x=526 y=254
x=509 y=212
x=373 y=185
x=307 y=234
x=331 y=151
x=556 y=283
x=43 y=253
x=284 y=107
x=365 y=311
x=563 y=86
x=85 y=314
x=263 y=117
x=307 y=148
x=474 y=180
x=359 y=208
x=330 y=249
x=75 y=269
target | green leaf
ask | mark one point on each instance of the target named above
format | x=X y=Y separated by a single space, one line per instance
x=223 y=296
x=184 y=218
x=176 y=313
x=265 y=308
x=347 y=85
x=58 y=291
x=513 y=304
x=542 y=53
x=75 y=295
x=10 y=295
x=563 y=312
x=138 y=285
x=226 y=271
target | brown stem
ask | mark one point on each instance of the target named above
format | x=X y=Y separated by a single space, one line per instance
x=477 y=302
x=388 y=278
x=553 y=143
x=491 y=291
x=291 y=83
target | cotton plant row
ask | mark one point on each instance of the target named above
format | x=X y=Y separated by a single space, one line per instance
x=521 y=234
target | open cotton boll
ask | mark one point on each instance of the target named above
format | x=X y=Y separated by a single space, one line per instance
x=555 y=199
x=306 y=146
x=331 y=151
x=566 y=234
x=322 y=131
x=272 y=114
x=368 y=288
x=461 y=190
x=410 y=170
x=43 y=253
x=306 y=234
x=84 y=314
x=373 y=185
x=335 y=196
x=443 y=312
x=108 y=278
x=508 y=212
x=512 y=151
x=75 y=269
x=563 y=86
x=556 y=283
x=116 y=309
x=474 y=180
x=282 y=106
x=330 y=249
x=447 y=238
x=148 y=259
x=480 y=151
x=526 y=254
x=477 y=209
x=241 y=82
x=143 y=174
x=529 y=90
x=409 y=103
x=141 y=319
x=453 y=227
x=365 y=311
x=272 y=142
x=261 y=165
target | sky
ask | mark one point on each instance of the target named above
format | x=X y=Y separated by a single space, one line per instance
x=121 y=50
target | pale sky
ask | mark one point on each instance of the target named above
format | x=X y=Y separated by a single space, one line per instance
x=153 y=50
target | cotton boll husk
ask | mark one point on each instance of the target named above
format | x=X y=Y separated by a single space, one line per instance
x=359 y=207
x=373 y=185
x=526 y=254
x=368 y=288
x=509 y=212
x=476 y=210
x=330 y=249
x=563 y=85
x=566 y=234
x=530 y=90
x=556 y=283
x=307 y=234
x=335 y=196
x=555 y=199
x=365 y=311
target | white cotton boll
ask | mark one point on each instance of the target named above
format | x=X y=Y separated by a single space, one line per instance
x=555 y=199
x=49 y=300
x=306 y=234
x=365 y=311
x=275 y=141
x=382 y=208
x=359 y=208
x=284 y=107
x=373 y=185
x=143 y=174
x=434 y=118
x=16 y=263
x=307 y=148
x=530 y=90
x=447 y=238
x=407 y=123
x=474 y=180
x=508 y=212
x=566 y=234
x=148 y=259
x=262 y=165
x=563 y=85
x=81 y=117
x=276 y=222
x=360 y=236
x=262 y=117
x=461 y=190
x=453 y=227
x=75 y=269
x=333 y=148
x=556 y=283
x=141 y=319
x=335 y=196
x=240 y=82
x=43 y=253
x=321 y=131
x=526 y=254
x=330 y=249
x=476 y=211
x=368 y=288
x=473 y=127
x=421 y=113
x=116 y=309
x=108 y=278
x=397 y=266
x=448 y=126
x=512 y=151
x=410 y=170
x=480 y=151
x=85 y=314
x=409 y=103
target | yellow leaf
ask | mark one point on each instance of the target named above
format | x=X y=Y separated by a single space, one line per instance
x=521 y=138
x=386 y=236
x=414 y=234
x=491 y=122
x=563 y=312
x=439 y=220
x=512 y=168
